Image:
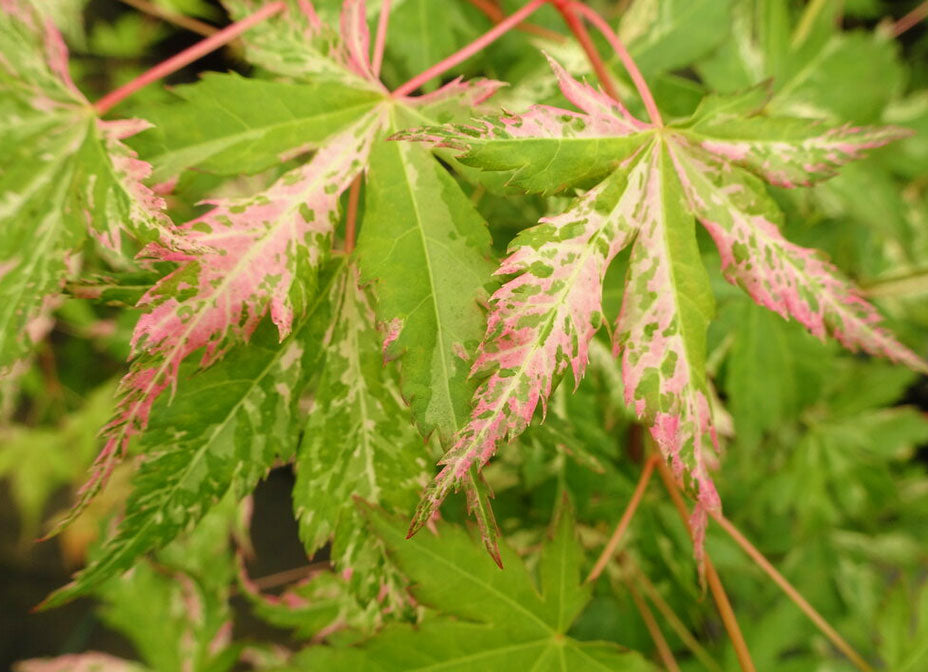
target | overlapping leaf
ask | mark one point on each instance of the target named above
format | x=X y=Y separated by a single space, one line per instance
x=506 y=622
x=223 y=431
x=230 y=125
x=250 y=258
x=64 y=174
x=356 y=445
x=242 y=260
x=297 y=45
x=653 y=182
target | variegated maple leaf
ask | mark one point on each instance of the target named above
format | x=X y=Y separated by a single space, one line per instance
x=64 y=174
x=243 y=259
x=249 y=258
x=647 y=185
x=354 y=446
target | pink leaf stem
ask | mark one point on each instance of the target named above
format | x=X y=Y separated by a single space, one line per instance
x=187 y=56
x=381 y=40
x=583 y=37
x=625 y=57
x=463 y=54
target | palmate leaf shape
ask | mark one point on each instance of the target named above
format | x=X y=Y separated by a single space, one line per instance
x=64 y=174
x=242 y=260
x=251 y=258
x=507 y=621
x=648 y=182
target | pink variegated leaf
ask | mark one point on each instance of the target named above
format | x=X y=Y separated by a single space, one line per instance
x=356 y=39
x=454 y=98
x=783 y=151
x=541 y=323
x=594 y=101
x=91 y=661
x=542 y=320
x=546 y=150
x=297 y=45
x=64 y=175
x=242 y=260
x=660 y=332
x=793 y=281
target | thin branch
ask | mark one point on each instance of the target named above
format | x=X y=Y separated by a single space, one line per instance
x=186 y=57
x=289 y=575
x=381 y=40
x=911 y=19
x=462 y=55
x=640 y=84
x=792 y=593
x=660 y=643
x=624 y=521
x=715 y=583
x=180 y=20
x=583 y=37
x=495 y=14
x=675 y=622
x=351 y=218
x=728 y=617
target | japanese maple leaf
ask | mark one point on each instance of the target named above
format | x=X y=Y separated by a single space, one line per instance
x=253 y=257
x=64 y=174
x=647 y=184
x=243 y=259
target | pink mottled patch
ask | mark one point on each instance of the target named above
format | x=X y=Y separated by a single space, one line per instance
x=793 y=281
x=594 y=103
x=78 y=662
x=541 y=323
x=469 y=94
x=393 y=329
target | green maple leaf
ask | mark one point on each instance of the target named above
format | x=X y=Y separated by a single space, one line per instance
x=647 y=185
x=65 y=175
x=505 y=622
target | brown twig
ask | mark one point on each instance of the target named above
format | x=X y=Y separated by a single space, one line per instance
x=715 y=583
x=675 y=622
x=289 y=575
x=910 y=20
x=792 y=593
x=624 y=521
x=495 y=14
x=660 y=643
x=179 y=20
x=351 y=218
